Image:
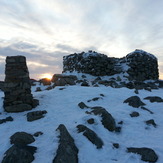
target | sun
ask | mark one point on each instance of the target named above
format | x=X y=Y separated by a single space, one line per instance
x=47 y=76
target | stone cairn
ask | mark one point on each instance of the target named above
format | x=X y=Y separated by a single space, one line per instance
x=17 y=87
x=138 y=65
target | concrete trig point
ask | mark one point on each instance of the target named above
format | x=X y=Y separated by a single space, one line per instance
x=17 y=87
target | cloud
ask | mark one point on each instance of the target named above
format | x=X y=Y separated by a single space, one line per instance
x=56 y=28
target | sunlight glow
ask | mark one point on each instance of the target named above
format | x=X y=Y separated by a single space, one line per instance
x=48 y=76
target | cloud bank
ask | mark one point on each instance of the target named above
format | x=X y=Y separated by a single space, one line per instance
x=45 y=31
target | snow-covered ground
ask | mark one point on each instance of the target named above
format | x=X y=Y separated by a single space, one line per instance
x=62 y=107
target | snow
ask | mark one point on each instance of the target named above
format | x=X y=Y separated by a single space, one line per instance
x=62 y=108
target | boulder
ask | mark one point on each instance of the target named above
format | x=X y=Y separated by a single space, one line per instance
x=147 y=154
x=151 y=122
x=154 y=99
x=21 y=138
x=8 y=119
x=19 y=154
x=107 y=119
x=62 y=80
x=134 y=114
x=35 y=115
x=45 y=81
x=82 y=105
x=67 y=151
x=90 y=135
x=134 y=101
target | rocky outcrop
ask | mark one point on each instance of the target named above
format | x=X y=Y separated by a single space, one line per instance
x=134 y=101
x=17 y=86
x=91 y=136
x=147 y=154
x=67 y=151
x=62 y=80
x=154 y=99
x=8 y=119
x=35 y=115
x=20 y=152
x=138 y=65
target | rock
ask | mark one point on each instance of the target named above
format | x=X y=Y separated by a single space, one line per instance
x=121 y=122
x=147 y=154
x=90 y=135
x=82 y=105
x=18 y=108
x=17 y=85
x=85 y=84
x=38 y=89
x=21 y=138
x=35 y=115
x=91 y=121
x=154 y=99
x=151 y=122
x=107 y=119
x=95 y=99
x=45 y=81
x=38 y=134
x=116 y=145
x=146 y=109
x=19 y=154
x=67 y=151
x=8 y=119
x=62 y=80
x=136 y=91
x=49 y=88
x=134 y=114
x=134 y=101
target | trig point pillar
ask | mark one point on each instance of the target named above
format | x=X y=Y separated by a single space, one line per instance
x=17 y=87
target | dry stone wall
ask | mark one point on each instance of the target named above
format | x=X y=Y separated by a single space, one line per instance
x=138 y=65
x=17 y=87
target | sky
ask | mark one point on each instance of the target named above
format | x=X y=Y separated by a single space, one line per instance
x=46 y=30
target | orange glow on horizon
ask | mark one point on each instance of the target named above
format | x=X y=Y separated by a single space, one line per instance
x=48 y=76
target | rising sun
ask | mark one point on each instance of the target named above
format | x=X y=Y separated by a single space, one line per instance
x=48 y=76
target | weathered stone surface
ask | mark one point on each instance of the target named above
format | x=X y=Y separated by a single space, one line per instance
x=134 y=114
x=154 y=99
x=91 y=121
x=62 y=80
x=21 y=138
x=107 y=119
x=8 y=119
x=82 y=105
x=67 y=151
x=90 y=135
x=116 y=145
x=139 y=65
x=19 y=154
x=134 y=101
x=35 y=115
x=45 y=81
x=18 y=108
x=151 y=122
x=17 y=86
x=147 y=154
x=38 y=134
